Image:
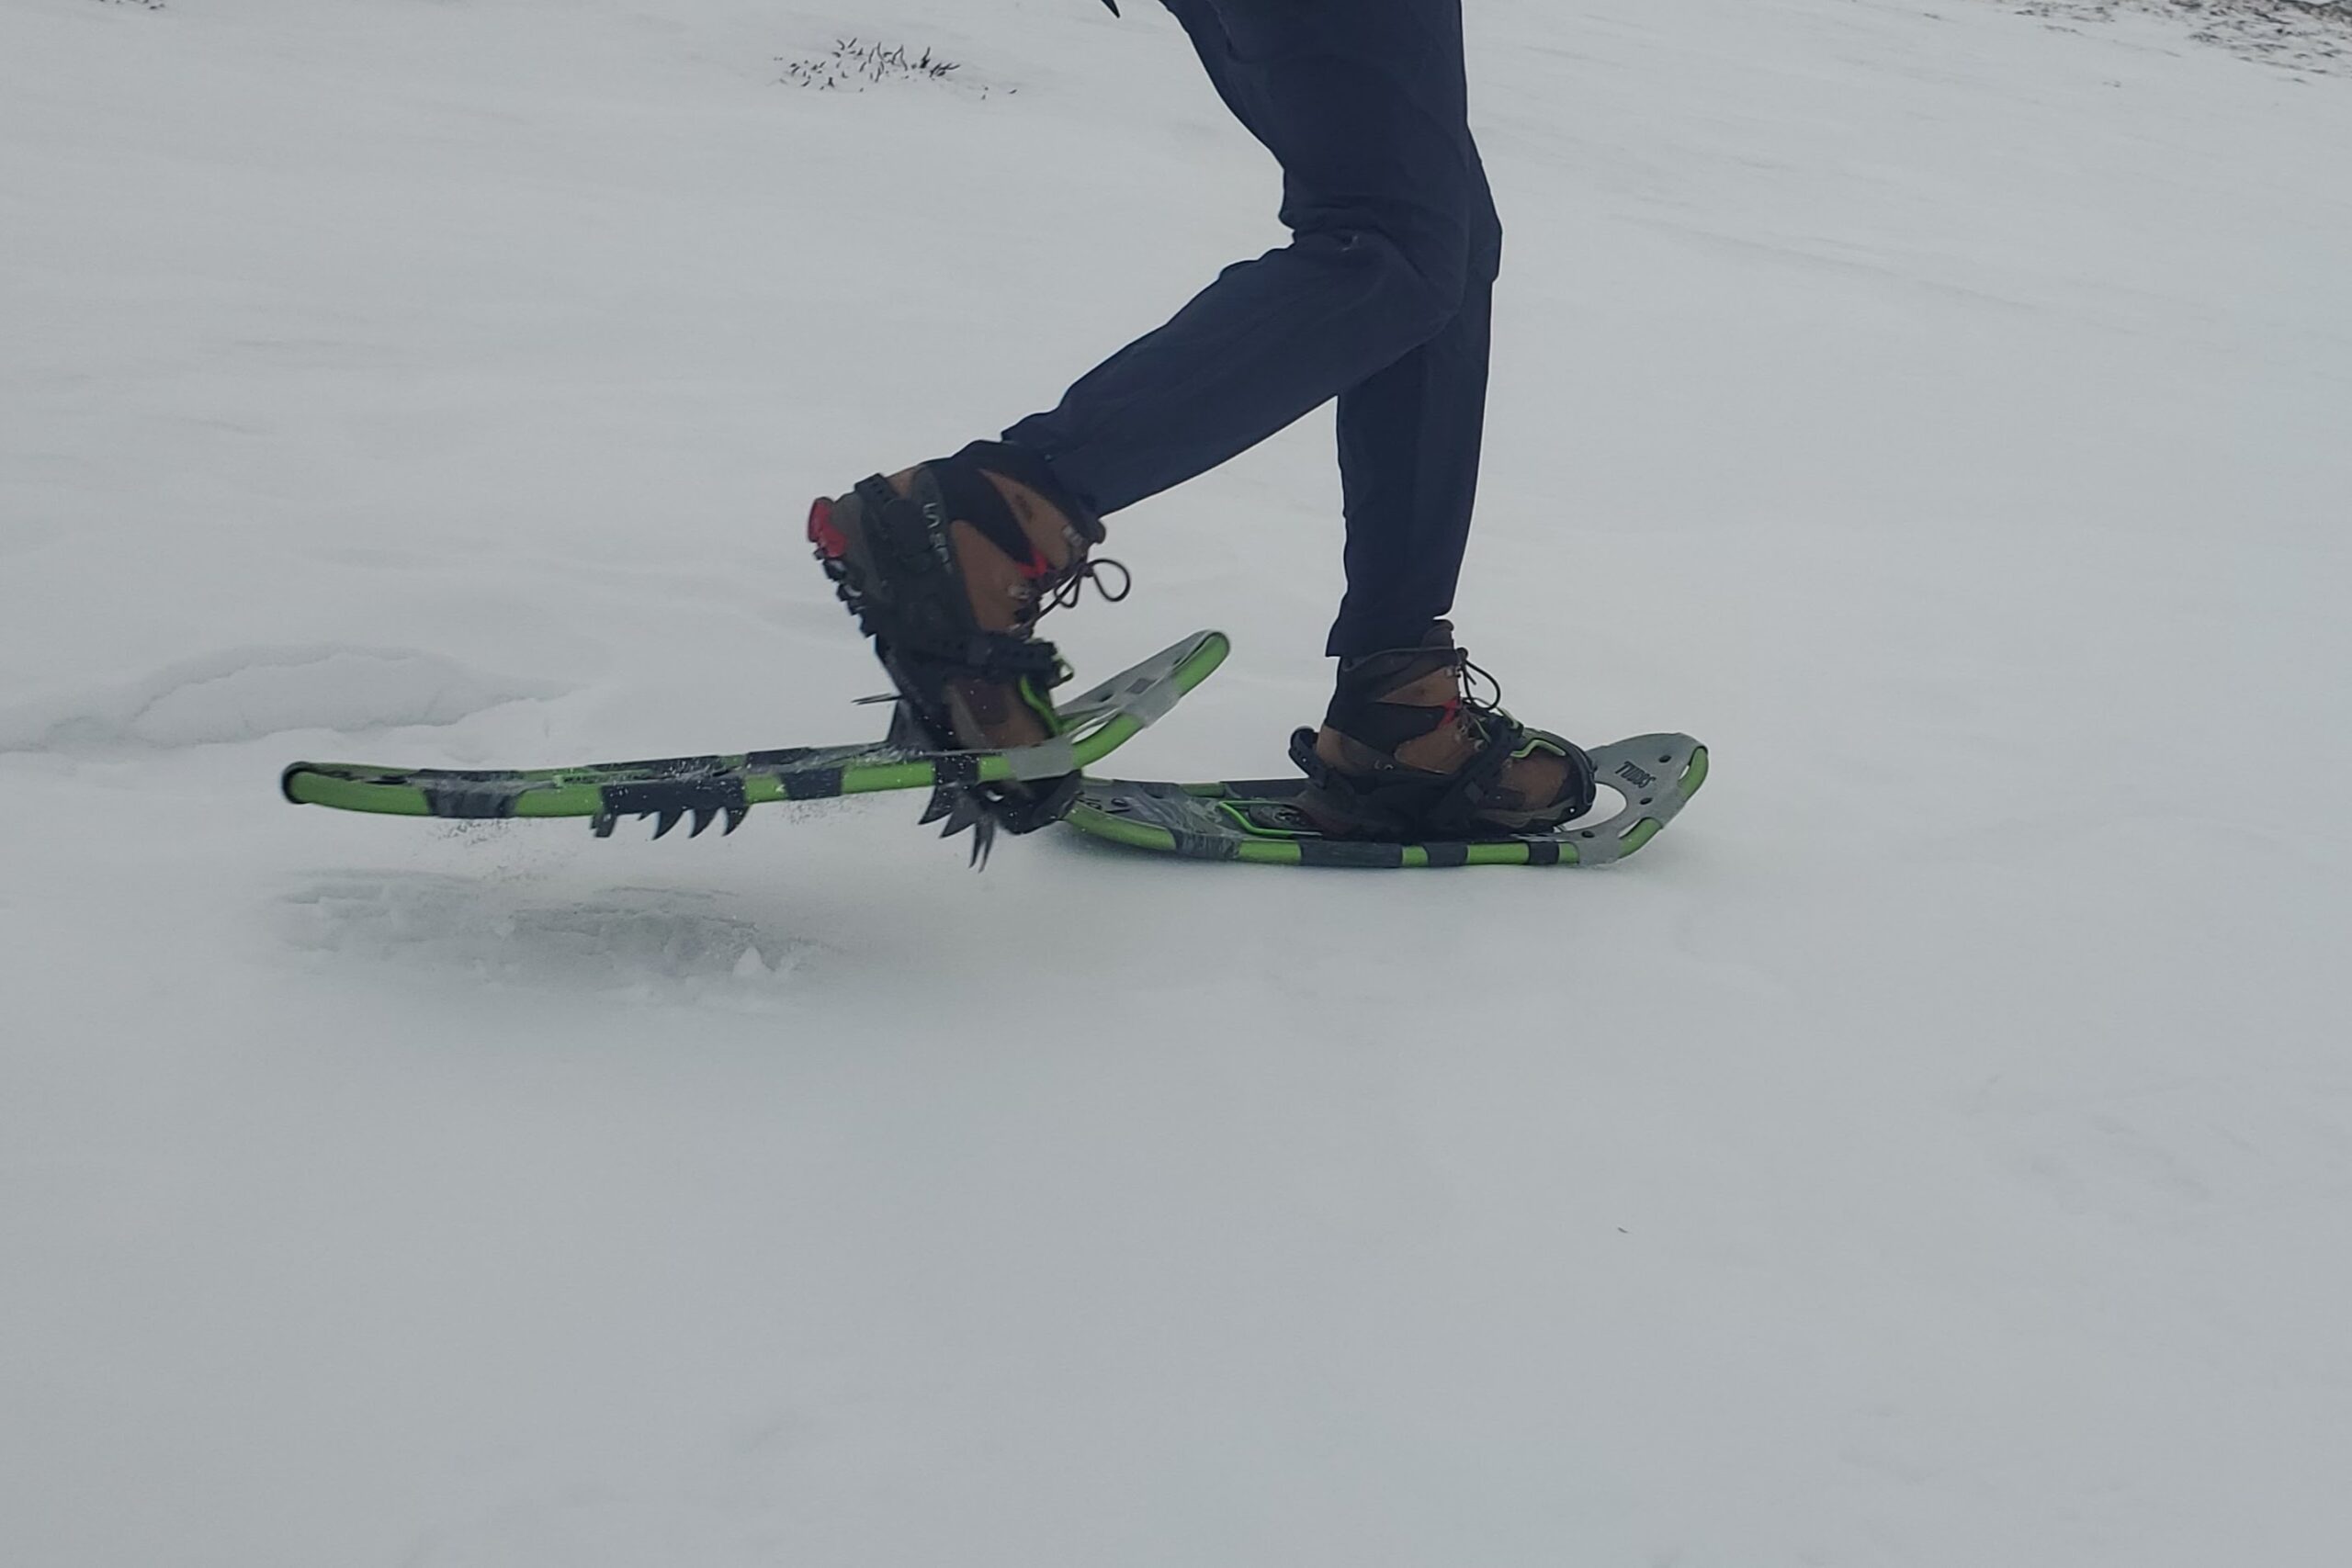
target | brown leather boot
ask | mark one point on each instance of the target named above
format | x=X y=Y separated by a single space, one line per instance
x=1406 y=753
x=948 y=566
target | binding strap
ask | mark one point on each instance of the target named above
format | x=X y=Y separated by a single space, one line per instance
x=1409 y=801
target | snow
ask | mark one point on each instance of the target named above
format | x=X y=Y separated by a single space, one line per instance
x=1934 y=1150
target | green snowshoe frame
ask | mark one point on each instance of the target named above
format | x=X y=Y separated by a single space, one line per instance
x=1653 y=775
x=707 y=789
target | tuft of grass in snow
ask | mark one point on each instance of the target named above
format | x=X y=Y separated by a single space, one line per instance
x=856 y=64
x=2301 y=35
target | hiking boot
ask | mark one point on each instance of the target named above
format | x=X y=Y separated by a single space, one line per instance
x=948 y=566
x=1406 y=753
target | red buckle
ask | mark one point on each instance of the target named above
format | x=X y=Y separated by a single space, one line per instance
x=830 y=541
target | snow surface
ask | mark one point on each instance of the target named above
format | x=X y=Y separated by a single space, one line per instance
x=1935 y=1150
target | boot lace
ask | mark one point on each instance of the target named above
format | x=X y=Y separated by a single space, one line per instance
x=1073 y=589
x=1469 y=672
x=1482 y=709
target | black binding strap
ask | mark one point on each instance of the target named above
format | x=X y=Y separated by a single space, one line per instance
x=1416 y=802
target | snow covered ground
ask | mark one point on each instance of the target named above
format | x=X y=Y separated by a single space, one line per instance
x=1935 y=1150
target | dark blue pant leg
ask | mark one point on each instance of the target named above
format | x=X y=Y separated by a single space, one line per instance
x=1363 y=103
x=1409 y=442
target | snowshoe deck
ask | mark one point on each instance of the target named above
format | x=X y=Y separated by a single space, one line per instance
x=1257 y=819
x=672 y=789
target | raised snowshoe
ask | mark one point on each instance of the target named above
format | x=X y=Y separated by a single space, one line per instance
x=1406 y=752
x=947 y=566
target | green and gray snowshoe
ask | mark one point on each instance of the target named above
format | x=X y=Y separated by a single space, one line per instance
x=710 y=789
x=1652 y=777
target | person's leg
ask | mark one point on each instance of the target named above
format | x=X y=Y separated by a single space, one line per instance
x=1362 y=104
x=1409 y=439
